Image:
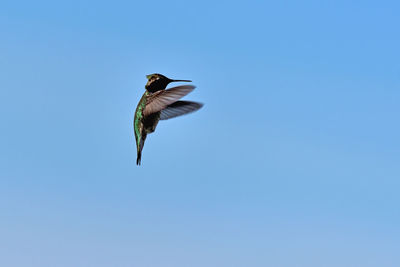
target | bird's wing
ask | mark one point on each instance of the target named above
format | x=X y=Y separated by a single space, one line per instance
x=179 y=108
x=161 y=99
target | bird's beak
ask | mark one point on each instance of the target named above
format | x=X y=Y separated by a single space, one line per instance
x=188 y=81
x=148 y=76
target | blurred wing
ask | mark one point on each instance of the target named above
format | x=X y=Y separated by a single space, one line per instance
x=161 y=99
x=179 y=108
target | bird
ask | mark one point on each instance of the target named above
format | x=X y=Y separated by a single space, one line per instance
x=159 y=103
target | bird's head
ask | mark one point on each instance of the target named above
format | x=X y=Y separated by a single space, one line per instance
x=156 y=82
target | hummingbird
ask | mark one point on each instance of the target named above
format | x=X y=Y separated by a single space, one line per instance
x=159 y=103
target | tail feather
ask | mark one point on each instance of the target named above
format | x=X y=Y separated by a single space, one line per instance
x=139 y=157
x=139 y=149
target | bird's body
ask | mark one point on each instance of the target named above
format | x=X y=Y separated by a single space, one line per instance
x=159 y=104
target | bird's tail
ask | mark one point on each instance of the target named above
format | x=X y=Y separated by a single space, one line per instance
x=139 y=149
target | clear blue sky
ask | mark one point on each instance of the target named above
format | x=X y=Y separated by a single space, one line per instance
x=293 y=160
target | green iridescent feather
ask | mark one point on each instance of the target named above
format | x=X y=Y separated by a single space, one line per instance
x=138 y=117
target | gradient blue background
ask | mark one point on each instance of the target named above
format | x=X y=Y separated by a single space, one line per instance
x=293 y=160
